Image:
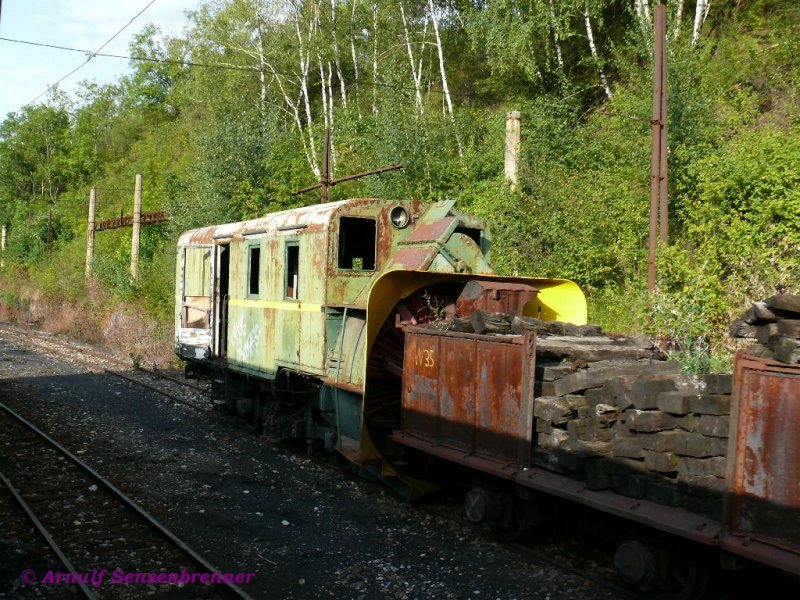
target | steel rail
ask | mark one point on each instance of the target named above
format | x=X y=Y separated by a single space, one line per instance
x=47 y=537
x=183 y=546
x=155 y=389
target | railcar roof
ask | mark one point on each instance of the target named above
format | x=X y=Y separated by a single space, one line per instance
x=316 y=214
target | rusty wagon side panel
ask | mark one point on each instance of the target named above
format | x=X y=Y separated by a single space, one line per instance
x=763 y=500
x=469 y=398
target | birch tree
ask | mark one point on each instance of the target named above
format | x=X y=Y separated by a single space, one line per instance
x=700 y=14
x=593 y=49
x=445 y=87
x=416 y=66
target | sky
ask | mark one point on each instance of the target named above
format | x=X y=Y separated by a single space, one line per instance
x=26 y=71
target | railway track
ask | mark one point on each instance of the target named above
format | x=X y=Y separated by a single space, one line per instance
x=577 y=565
x=108 y=546
x=167 y=385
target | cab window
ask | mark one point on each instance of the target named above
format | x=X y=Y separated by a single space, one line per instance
x=357 y=242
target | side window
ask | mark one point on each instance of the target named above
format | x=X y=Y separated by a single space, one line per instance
x=357 y=241
x=196 y=305
x=254 y=268
x=197 y=272
x=292 y=270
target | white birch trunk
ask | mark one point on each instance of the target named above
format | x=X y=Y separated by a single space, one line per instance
x=642 y=9
x=700 y=14
x=676 y=31
x=415 y=74
x=355 y=57
x=445 y=87
x=556 y=40
x=323 y=85
x=305 y=62
x=593 y=49
x=374 y=59
x=339 y=75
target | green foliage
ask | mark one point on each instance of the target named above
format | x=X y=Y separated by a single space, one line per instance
x=234 y=142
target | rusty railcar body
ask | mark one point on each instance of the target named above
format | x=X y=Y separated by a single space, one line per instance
x=325 y=323
x=483 y=419
x=293 y=314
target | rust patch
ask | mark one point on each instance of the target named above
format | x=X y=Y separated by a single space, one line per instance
x=764 y=477
x=494 y=296
x=466 y=392
x=431 y=231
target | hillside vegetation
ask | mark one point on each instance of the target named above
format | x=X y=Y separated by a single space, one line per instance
x=225 y=121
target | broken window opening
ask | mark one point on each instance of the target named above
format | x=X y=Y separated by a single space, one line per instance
x=254 y=266
x=292 y=271
x=357 y=241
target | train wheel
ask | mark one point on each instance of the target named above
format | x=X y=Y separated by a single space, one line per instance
x=685 y=577
x=663 y=573
x=520 y=521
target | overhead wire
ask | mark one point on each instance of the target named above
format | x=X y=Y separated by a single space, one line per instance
x=188 y=63
x=91 y=55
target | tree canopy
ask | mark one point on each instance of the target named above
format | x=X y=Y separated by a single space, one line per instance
x=226 y=120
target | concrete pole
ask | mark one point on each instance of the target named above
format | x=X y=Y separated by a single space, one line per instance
x=137 y=226
x=3 y=239
x=90 y=233
x=513 y=136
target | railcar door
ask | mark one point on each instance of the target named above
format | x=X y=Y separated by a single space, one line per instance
x=194 y=329
x=221 y=296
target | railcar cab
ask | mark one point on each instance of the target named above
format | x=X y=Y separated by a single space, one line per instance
x=277 y=292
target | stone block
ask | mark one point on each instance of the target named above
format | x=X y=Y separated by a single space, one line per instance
x=784 y=302
x=605 y=413
x=700 y=446
x=787 y=350
x=717 y=383
x=765 y=332
x=646 y=390
x=663 y=441
x=593 y=396
x=544 y=388
x=710 y=404
x=701 y=467
x=576 y=401
x=701 y=485
x=551 y=373
x=714 y=426
x=661 y=462
x=543 y=426
x=619 y=392
x=547 y=459
x=687 y=422
x=673 y=402
x=590 y=448
x=648 y=421
x=632 y=486
x=596 y=377
x=627 y=448
x=577 y=429
x=554 y=409
x=599 y=432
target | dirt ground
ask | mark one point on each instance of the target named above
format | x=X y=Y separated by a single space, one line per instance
x=305 y=529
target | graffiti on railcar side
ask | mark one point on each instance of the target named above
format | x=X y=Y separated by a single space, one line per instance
x=245 y=338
